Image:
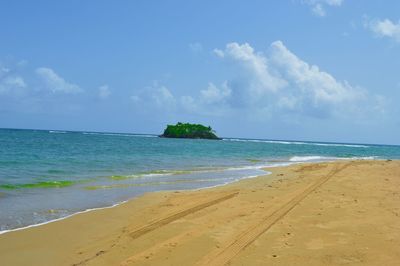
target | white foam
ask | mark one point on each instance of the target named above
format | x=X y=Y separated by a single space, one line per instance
x=300 y=143
x=57 y=132
x=361 y=158
x=119 y=134
x=338 y=145
x=367 y=158
x=324 y=159
x=309 y=158
x=259 y=140
x=257 y=167
x=61 y=218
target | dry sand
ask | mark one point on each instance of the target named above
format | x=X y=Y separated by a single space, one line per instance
x=342 y=213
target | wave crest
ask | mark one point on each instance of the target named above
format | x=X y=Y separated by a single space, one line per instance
x=300 y=143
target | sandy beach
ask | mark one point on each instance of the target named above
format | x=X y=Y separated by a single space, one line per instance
x=339 y=213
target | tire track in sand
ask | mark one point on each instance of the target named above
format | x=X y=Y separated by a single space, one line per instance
x=164 y=221
x=161 y=222
x=250 y=235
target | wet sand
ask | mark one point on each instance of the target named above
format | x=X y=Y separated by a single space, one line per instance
x=341 y=213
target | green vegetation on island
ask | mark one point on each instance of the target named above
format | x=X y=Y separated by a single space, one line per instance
x=190 y=131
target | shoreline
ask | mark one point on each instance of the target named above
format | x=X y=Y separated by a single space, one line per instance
x=260 y=167
x=63 y=218
x=79 y=231
x=135 y=197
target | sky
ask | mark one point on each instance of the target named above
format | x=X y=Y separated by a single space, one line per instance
x=322 y=70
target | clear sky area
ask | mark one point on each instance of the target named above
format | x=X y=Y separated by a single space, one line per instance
x=323 y=70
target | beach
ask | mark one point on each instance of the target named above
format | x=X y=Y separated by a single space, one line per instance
x=336 y=213
x=199 y=133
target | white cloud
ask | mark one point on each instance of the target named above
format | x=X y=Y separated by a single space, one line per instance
x=318 y=10
x=219 y=52
x=296 y=86
x=104 y=92
x=256 y=66
x=156 y=95
x=10 y=82
x=334 y=2
x=189 y=103
x=163 y=96
x=212 y=101
x=319 y=85
x=3 y=71
x=56 y=83
x=288 y=102
x=267 y=85
x=196 y=47
x=136 y=99
x=385 y=28
x=318 y=7
x=15 y=81
x=213 y=94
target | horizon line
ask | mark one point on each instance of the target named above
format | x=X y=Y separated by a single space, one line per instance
x=243 y=138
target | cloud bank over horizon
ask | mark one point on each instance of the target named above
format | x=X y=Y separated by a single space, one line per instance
x=272 y=84
x=267 y=85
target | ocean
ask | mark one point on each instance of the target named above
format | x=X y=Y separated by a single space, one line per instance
x=47 y=175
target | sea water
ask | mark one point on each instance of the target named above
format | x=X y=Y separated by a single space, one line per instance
x=47 y=175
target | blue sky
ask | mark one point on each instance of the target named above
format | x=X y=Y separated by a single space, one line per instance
x=325 y=70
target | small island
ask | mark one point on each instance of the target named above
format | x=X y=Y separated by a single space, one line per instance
x=189 y=131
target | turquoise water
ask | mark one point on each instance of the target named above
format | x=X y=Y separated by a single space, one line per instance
x=46 y=175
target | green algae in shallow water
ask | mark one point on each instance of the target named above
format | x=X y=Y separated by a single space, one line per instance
x=254 y=160
x=146 y=184
x=44 y=184
x=149 y=184
x=128 y=185
x=149 y=173
x=120 y=177
x=169 y=172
